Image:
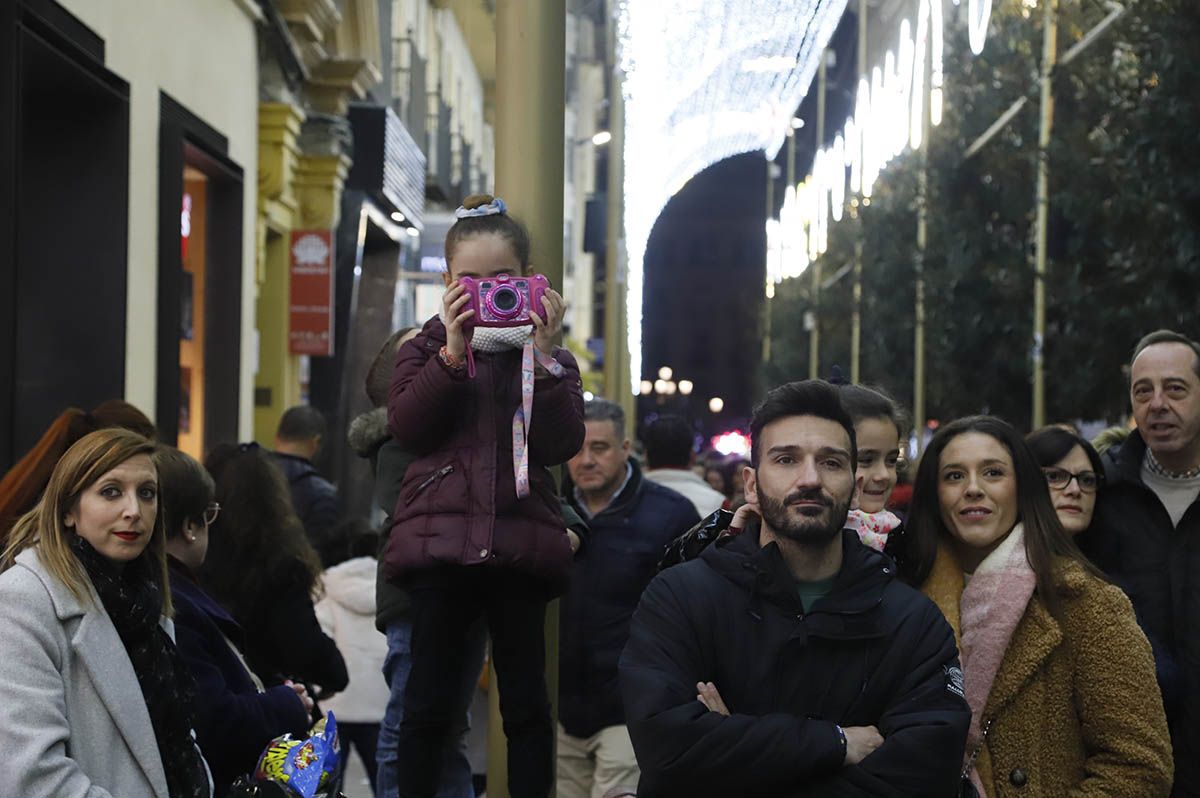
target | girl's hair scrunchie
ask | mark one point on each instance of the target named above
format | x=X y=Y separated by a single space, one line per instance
x=496 y=206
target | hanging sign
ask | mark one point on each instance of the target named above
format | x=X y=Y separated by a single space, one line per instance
x=310 y=304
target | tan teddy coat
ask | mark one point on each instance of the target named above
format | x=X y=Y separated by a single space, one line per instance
x=1075 y=707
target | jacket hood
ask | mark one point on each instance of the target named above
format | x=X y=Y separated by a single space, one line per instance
x=352 y=584
x=1123 y=461
x=368 y=432
x=762 y=572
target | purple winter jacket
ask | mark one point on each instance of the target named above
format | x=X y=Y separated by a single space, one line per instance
x=458 y=503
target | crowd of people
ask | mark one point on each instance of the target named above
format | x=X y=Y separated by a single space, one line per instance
x=1021 y=624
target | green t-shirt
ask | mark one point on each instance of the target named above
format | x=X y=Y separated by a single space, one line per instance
x=811 y=591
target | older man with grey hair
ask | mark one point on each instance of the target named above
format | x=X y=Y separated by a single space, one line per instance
x=1146 y=533
x=631 y=520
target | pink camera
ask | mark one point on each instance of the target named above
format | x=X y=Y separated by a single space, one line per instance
x=503 y=300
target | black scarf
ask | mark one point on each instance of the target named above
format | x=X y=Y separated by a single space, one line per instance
x=132 y=597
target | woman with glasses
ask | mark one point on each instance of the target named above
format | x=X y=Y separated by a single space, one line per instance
x=1073 y=473
x=1054 y=667
x=1075 y=476
x=235 y=717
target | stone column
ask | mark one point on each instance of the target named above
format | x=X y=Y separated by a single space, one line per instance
x=530 y=99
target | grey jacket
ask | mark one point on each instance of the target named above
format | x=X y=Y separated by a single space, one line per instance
x=74 y=723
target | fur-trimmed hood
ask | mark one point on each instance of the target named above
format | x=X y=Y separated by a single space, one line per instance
x=368 y=432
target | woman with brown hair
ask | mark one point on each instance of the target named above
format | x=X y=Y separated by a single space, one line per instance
x=96 y=698
x=25 y=481
x=262 y=568
x=235 y=717
x=1058 y=676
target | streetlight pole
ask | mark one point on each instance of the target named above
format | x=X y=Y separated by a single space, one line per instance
x=1049 y=57
x=920 y=260
x=814 y=335
x=766 y=341
x=856 y=313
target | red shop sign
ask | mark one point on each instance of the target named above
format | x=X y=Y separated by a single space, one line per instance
x=310 y=305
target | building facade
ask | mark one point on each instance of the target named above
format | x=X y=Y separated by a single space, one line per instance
x=127 y=164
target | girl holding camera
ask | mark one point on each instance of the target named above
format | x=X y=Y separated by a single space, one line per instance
x=477 y=529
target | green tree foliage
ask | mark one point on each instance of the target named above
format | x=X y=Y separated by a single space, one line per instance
x=1124 y=234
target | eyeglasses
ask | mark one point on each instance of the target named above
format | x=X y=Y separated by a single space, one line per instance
x=1059 y=478
x=210 y=513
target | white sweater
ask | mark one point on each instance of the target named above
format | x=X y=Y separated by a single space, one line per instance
x=686 y=481
x=347 y=614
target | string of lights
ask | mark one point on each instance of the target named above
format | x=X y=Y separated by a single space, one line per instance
x=887 y=120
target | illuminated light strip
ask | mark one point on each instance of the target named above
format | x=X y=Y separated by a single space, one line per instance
x=874 y=135
x=979 y=14
x=703 y=82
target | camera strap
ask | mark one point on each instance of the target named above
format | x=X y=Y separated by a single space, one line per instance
x=524 y=415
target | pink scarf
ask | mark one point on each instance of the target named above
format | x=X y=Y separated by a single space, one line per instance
x=992 y=605
x=872 y=528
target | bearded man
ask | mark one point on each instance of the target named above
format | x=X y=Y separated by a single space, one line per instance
x=793 y=662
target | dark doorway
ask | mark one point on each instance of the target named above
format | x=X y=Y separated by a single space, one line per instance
x=200 y=287
x=64 y=189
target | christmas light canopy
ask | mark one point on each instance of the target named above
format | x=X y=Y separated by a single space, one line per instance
x=704 y=81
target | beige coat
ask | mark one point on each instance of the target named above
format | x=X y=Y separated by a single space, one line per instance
x=74 y=723
x=1075 y=707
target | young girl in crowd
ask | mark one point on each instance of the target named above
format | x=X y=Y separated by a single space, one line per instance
x=477 y=529
x=95 y=696
x=369 y=437
x=1058 y=676
x=347 y=615
x=262 y=568
x=235 y=717
x=878 y=428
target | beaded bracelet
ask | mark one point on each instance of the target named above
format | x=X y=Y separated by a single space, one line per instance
x=450 y=360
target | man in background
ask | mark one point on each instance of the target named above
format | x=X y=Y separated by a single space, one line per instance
x=298 y=439
x=631 y=520
x=669 y=442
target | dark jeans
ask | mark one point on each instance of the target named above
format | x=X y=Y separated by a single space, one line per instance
x=363 y=737
x=457 y=779
x=443 y=611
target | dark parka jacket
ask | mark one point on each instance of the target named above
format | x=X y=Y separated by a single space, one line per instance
x=234 y=721
x=871 y=652
x=458 y=502
x=1133 y=540
x=627 y=539
x=369 y=437
x=315 y=500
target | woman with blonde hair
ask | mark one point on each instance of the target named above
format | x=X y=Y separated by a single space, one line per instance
x=95 y=696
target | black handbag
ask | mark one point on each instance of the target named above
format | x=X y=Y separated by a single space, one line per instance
x=689 y=545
